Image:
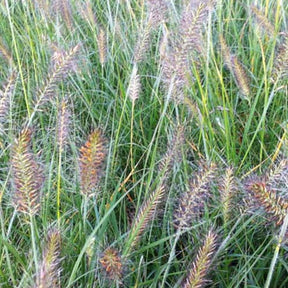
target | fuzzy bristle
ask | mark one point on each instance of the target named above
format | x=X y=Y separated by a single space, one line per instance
x=155 y=16
x=278 y=173
x=4 y=52
x=102 y=45
x=227 y=189
x=196 y=277
x=145 y=215
x=112 y=264
x=225 y=51
x=280 y=67
x=192 y=202
x=262 y=21
x=157 y=10
x=176 y=65
x=173 y=153
x=87 y=13
x=26 y=175
x=63 y=124
x=62 y=64
x=63 y=7
x=264 y=196
x=240 y=76
x=5 y=98
x=134 y=87
x=50 y=269
x=236 y=69
x=142 y=43
x=91 y=160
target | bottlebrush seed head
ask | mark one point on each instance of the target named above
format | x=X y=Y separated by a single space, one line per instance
x=263 y=196
x=112 y=264
x=92 y=156
x=196 y=277
x=27 y=176
x=48 y=274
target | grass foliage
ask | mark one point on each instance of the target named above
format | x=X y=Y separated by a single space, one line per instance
x=143 y=143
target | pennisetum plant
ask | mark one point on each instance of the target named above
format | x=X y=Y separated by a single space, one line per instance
x=27 y=176
x=63 y=122
x=87 y=13
x=151 y=204
x=91 y=160
x=92 y=156
x=27 y=180
x=62 y=63
x=265 y=197
x=192 y=202
x=64 y=11
x=102 y=46
x=236 y=69
x=112 y=264
x=280 y=67
x=156 y=14
x=133 y=92
x=187 y=40
x=262 y=22
x=5 y=99
x=278 y=173
x=49 y=267
x=266 y=192
x=196 y=277
x=143 y=218
x=191 y=206
x=227 y=189
x=4 y=52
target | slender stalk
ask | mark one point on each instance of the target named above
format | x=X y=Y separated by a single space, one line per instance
x=18 y=58
x=276 y=252
x=171 y=257
x=33 y=240
x=59 y=184
x=131 y=138
x=5 y=237
x=84 y=212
